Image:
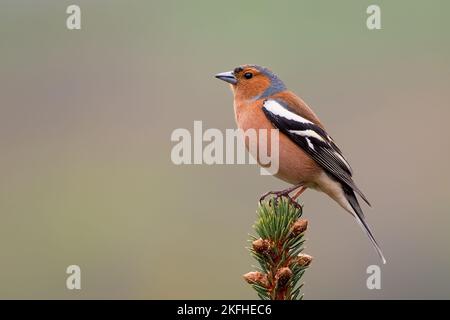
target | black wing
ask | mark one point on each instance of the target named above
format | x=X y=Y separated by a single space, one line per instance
x=313 y=140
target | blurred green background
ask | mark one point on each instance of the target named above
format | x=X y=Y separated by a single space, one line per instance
x=85 y=124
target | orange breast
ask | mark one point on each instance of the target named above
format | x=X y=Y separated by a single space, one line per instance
x=295 y=166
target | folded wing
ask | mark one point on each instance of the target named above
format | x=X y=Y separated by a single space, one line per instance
x=313 y=140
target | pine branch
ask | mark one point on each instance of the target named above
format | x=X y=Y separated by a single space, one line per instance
x=278 y=250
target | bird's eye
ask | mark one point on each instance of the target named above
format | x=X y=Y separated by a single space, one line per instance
x=248 y=75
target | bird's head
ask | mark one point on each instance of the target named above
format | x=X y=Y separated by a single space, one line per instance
x=252 y=82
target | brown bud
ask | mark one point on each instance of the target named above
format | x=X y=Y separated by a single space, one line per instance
x=256 y=277
x=299 y=226
x=261 y=245
x=304 y=260
x=282 y=276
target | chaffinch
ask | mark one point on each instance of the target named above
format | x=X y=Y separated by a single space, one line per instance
x=308 y=156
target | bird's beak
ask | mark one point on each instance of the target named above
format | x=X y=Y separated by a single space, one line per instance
x=227 y=77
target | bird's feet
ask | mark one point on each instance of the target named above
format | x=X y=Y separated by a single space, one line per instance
x=283 y=193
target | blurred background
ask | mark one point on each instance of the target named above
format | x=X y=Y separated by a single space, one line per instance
x=86 y=118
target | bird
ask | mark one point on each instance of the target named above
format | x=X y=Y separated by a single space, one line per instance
x=308 y=155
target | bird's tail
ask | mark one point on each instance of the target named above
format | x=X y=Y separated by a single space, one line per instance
x=359 y=215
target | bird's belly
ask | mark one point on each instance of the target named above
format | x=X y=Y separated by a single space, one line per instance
x=295 y=166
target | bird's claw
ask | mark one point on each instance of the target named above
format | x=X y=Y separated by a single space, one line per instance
x=265 y=195
x=294 y=203
x=278 y=195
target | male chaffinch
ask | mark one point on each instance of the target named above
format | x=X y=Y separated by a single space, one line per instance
x=308 y=156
